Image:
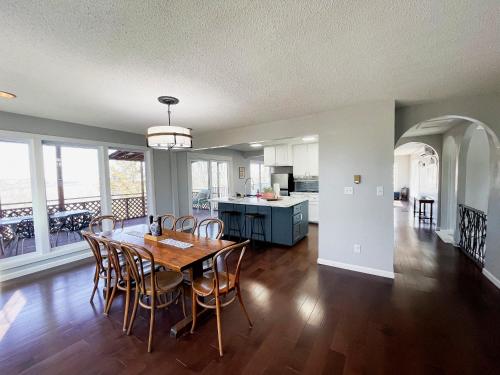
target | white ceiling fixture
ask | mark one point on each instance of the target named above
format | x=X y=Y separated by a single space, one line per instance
x=255 y=145
x=309 y=138
x=169 y=137
x=98 y=62
x=7 y=95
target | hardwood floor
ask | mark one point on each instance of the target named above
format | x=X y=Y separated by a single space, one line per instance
x=439 y=316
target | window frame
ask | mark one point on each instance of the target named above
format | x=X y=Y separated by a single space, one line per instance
x=39 y=198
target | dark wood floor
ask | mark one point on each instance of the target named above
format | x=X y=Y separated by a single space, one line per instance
x=439 y=316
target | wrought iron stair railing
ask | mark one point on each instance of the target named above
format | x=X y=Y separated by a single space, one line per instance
x=472 y=228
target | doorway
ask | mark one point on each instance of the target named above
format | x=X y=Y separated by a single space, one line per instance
x=209 y=179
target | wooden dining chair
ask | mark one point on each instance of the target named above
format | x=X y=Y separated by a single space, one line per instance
x=96 y=224
x=210 y=228
x=185 y=224
x=121 y=278
x=102 y=266
x=167 y=222
x=222 y=283
x=152 y=290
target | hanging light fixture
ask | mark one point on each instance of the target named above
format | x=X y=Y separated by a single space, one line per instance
x=169 y=137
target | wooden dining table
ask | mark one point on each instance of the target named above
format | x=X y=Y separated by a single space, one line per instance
x=172 y=257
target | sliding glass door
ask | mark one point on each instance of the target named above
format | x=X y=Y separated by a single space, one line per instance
x=209 y=179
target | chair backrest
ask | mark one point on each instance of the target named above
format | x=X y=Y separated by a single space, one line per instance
x=25 y=229
x=135 y=257
x=113 y=249
x=167 y=221
x=211 y=228
x=96 y=223
x=185 y=223
x=94 y=247
x=81 y=221
x=223 y=265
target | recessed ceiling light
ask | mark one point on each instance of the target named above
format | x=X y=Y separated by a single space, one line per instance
x=309 y=138
x=256 y=145
x=7 y=95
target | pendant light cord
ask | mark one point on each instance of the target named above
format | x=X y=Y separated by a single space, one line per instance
x=169 y=115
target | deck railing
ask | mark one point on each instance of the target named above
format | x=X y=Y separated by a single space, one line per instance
x=124 y=206
x=472 y=226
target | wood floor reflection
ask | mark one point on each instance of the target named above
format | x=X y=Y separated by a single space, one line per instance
x=439 y=316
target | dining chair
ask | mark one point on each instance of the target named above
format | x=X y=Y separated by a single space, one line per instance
x=7 y=236
x=210 y=228
x=185 y=224
x=151 y=290
x=98 y=221
x=102 y=266
x=222 y=283
x=81 y=222
x=24 y=230
x=167 y=222
x=121 y=278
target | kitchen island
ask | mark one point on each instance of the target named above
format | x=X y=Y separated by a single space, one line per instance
x=284 y=222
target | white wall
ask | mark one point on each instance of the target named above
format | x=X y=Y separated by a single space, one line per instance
x=477 y=186
x=401 y=172
x=357 y=139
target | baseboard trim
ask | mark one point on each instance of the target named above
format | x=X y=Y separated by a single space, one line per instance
x=356 y=268
x=37 y=267
x=491 y=277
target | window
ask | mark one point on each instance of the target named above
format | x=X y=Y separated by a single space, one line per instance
x=73 y=191
x=260 y=175
x=17 y=233
x=128 y=186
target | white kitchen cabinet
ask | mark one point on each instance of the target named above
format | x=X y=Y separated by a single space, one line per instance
x=305 y=160
x=277 y=156
x=270 y=156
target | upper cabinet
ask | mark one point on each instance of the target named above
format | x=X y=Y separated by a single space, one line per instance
x=277 y=156
x=305 y=160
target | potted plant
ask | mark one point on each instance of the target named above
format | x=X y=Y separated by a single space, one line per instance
x=268 y=193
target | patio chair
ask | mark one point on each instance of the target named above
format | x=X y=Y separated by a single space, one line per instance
x=200 y=200
x=7 y=236
x=24 y=230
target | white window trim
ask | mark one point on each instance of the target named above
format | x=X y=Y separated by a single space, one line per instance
x=208 y=157
x=39 y=199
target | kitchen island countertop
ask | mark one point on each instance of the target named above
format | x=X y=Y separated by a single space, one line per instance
x=284 y=202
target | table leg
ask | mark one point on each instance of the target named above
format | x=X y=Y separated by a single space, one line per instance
x=184 y=325
x=431 y=212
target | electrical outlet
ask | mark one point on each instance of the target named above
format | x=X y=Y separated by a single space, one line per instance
x=357 y=248
x=348 y=190
x=380 y=191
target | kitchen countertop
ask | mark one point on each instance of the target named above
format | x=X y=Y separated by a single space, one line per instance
x=284 y=202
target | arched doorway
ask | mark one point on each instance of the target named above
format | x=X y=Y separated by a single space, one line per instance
x=469 y=156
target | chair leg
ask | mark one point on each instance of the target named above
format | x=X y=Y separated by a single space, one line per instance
x=96 y=283
x=183 y=300
x=111 y=298
x=219 y=327
x=22 y=246
x=108 y=291
x=134 y=311
x=151 y=324
x=240 y=298
x=127 y=304
x=193 y=309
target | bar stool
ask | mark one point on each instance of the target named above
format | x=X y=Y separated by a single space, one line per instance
x=232 y=218
x=256 y=221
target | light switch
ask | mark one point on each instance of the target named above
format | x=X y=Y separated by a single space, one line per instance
x=348 y=190
x=380 y=191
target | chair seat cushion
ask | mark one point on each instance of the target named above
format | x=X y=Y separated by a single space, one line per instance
x=165 y=281
x=204 y=285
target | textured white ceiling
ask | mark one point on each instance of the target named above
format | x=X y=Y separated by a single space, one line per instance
x=236 y=63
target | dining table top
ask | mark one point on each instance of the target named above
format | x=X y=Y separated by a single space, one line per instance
x=172 y=257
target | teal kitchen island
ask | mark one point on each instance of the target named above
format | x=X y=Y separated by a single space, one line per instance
x=283 y=222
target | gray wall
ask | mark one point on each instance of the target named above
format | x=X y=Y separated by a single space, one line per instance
x=37 y=125
x=357 y=139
